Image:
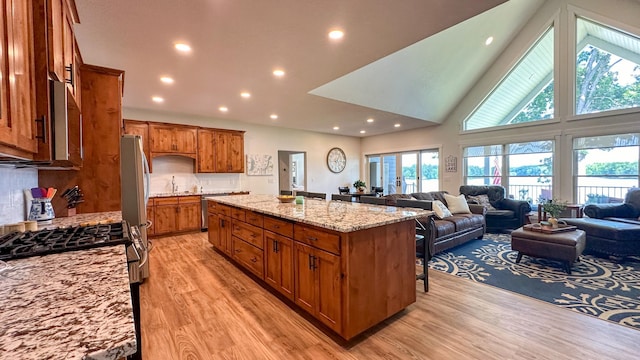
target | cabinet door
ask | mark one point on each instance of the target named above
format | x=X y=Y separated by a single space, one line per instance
x=214 y=231
x=68 y=43
x=185 y=140
x=225 y=233
x=189 y=216
x=221 y=150
x=279 y=263
x=166 y=219
x=305 y=279
x=17 y=127
x=141 y=129
x=206 y=151
x=55 y=35
x=328 y=300
x=161 y=138
x=236 y=152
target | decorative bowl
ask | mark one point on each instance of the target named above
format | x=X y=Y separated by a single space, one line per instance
x=286 y=198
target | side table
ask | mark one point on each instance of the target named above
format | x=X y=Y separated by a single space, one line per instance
x=576 y=211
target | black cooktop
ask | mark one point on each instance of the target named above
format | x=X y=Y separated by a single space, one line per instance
x=17 y=245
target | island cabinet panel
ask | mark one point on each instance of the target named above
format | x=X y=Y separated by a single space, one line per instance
x=249 y=233
x=317 y=238
x=278 y=263
x=318 y=284
x=278 y=226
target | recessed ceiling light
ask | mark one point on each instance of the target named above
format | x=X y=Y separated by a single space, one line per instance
x=223 y=108
x=336 y=34
x=369 y=120
x=362 y=131
x=489 y=40
x=278 y=72
x=336 y=128
x=166 y=80
x=182 y=47
x=273 y=116
x=157 y=99
x=245 y=94
x=396 y=125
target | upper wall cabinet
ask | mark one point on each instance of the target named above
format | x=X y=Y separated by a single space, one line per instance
x=17 y=125
x=172 y=140
x=63 y=53
x=220 y=151
x=206 y=151
x=141 y=129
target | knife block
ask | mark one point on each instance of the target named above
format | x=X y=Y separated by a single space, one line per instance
x=68 y=212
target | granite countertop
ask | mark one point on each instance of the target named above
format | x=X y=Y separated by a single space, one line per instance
x=73 y=305
x=84 y=219
x=340 y=216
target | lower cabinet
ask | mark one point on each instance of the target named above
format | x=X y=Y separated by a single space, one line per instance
x=176 y=214
x=151 y=218
x=318 y=283
x=278 y=268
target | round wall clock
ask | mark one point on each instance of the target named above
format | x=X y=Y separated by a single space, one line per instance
x=336 y=160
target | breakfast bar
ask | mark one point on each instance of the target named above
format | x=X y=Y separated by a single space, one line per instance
x=349 y=265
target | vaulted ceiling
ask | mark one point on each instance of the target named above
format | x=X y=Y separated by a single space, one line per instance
x=400 y=62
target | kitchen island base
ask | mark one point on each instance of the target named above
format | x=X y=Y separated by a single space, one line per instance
x=348 y=280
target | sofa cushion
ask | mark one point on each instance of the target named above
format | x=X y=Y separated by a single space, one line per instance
x=481 y=200
x=432 y=195
x=444 y=228
x=475 y=220
x=502 y=214
x=457 y=204
x=440 y=209
x=462 y=223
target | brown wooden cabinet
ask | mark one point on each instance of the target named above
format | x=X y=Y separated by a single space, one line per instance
x=229 y=151
x=279 y=263
x=220 y=151
x=151 y=218
x=219 y=226
x=175 y=139
x=64 y=61
x=176 y=214
x=140 y=128
x=17 y=125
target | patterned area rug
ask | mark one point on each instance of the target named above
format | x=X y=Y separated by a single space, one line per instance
x=596 y=286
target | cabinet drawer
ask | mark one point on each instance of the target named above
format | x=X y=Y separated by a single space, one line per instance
x=248 y=256
x=189 y=199
x=317 y=238
x=165 y=201
x=278 y=226
x=248 y=233
x=212 y=207
x=223 y=209
x=254 y=218
x=238 y=213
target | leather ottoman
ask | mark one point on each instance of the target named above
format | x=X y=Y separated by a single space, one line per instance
x=565 y=246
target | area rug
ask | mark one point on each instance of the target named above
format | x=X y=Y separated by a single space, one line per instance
x=596 y=286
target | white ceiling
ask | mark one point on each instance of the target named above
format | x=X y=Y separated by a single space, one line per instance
x=237 y=44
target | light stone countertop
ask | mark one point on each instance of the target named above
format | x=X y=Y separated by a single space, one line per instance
x=72 y=305
x=192 y=193
x=340 y=216
x=107 y=217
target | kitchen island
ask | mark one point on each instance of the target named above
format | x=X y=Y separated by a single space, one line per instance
x=349 y=265
x=72 y=305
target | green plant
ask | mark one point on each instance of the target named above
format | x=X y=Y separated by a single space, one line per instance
x=554 y=207
x=359 y=183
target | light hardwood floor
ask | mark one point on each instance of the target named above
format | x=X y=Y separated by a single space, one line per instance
x=198 y=305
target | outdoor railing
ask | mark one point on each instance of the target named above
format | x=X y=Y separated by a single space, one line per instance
x=536 y=194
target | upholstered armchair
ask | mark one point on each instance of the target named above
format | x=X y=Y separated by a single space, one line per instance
x=502 y=213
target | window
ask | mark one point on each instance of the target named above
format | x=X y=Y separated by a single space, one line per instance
x=399 y=173
x=607 y=70
x=526 y=93
x=524 y=169
x=531 y=171
x=605 y=167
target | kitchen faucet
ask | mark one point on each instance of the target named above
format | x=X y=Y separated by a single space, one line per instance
x=174 y=187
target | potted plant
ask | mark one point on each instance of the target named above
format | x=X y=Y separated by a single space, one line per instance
x=554 y=208
x=360 y=185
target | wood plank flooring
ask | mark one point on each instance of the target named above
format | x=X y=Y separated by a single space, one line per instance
x=198 y=305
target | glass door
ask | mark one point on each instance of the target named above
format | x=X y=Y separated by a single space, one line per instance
x=404 y=173
x=409 y=176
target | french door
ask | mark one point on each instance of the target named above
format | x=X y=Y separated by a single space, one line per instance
x=402 y=173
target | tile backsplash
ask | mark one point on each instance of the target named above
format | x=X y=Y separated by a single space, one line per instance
x=170 y=171
x=12 y=200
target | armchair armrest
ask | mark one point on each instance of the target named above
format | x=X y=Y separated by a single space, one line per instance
x=600 y=211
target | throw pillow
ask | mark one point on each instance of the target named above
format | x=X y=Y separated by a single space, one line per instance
x=440 y=209
x=482 y=200
x=457 y=204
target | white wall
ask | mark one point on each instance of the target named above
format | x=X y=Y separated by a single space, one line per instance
x=258 y=139
x=12 y=200
x=621 y=13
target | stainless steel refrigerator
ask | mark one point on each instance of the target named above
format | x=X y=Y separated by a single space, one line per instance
x=134 y=175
